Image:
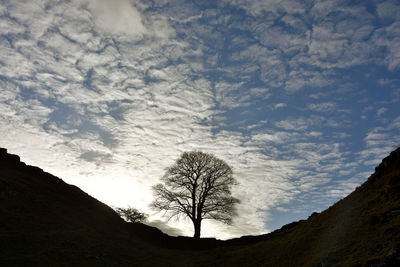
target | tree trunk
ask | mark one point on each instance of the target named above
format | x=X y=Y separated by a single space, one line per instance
x=197 y=227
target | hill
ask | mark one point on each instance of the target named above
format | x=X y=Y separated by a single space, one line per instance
x=362 y=229
x=46 y=222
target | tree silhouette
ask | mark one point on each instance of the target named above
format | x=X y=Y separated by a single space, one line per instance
x=131 y=214
x=198 y=185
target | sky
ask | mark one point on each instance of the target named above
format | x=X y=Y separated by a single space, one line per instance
x=301 y=98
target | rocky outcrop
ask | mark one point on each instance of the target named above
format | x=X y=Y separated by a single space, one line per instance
x=388 y=164
x=9 y=159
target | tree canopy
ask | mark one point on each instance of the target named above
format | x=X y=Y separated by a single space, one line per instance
x=198 y=186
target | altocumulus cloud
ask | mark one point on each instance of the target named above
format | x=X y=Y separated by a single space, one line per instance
x=107 y=94
x=116 y=17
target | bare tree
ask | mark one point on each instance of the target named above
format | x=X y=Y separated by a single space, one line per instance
x=198 y=186
x=131 y=214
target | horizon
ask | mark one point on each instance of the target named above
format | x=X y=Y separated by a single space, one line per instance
x=300 y=98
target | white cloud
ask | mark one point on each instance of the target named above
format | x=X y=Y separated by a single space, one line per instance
x=388 y=10
x=275 y=137
x=380 y=141
x=165 y=228
x=280 y=105
x=257 y=7
x=301 y=123
x=381 y=111
x=117 y=17
x=323 y=107
x=315 y=134
x=227 y=95
x=387 y=37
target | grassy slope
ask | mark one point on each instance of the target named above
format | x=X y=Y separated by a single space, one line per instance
x=44 y=221
x=362 y=229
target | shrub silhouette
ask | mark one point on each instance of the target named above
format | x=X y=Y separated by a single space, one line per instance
x=131 y=214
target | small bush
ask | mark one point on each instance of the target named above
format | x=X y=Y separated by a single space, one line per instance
x=131 y=214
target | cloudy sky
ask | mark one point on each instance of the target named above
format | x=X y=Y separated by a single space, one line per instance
x=301 y=98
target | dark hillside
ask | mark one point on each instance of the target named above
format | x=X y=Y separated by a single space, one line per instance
x=46 y=222
x=363 y=229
